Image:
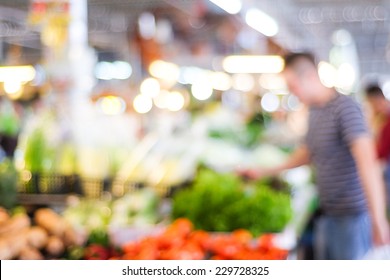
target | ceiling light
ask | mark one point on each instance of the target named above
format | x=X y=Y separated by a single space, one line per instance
x=202 y=90
x=270 y=102
x=253 y=64
x=150 y=87
x=166 y=71
x=142 y=104
x=13 y=88
x=21 y=73
x=231 y=6
x=220 y=81
x=327 y=74
x=261 y=22
x=346 y=77
x=112 y=105
x=147 y=25
x=122 y=70
x=104 y=70
x=175 y=101
x=162 y=99
x=243 y=82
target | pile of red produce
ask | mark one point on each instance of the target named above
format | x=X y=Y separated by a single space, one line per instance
x=179 y=241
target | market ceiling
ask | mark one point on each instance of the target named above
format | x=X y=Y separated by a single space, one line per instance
x=303 y=24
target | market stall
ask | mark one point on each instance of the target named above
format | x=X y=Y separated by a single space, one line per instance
x=133 y=153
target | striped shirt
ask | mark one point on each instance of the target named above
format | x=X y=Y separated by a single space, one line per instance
x=331 y=130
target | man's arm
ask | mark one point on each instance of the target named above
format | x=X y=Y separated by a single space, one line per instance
x=363 y=151
x=299 y=157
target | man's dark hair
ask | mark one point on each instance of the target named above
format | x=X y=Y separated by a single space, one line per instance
x=300 y=62
x=374 y=90
x=291 y=58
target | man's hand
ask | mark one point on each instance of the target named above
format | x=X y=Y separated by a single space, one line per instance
x=301 y=156
x=252 y=174
x=381 y=232
x=371 y=177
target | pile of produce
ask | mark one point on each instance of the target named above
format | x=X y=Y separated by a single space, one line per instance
x=224 y=202
x=98 y=246
x=99 y=219
x=179 y=241
x=44 y=236
x=139 y=208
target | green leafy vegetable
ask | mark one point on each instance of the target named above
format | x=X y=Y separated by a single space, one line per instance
x=221 y=202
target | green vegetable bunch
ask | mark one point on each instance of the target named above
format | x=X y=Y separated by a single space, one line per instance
x=205 y=201
x=222 y=202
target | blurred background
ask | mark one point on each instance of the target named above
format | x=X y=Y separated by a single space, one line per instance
x=99 y=98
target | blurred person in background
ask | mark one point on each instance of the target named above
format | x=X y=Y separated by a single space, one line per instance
x=380 y=108
x=342 y=153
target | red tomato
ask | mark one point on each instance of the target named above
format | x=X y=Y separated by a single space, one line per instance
x=201 y=238
x=265 y=241
x=195 y=252
x=131 y=248
x=226 y=246
x=244 y=236
x=147 y=253
x=169 y=240
x=181 y=226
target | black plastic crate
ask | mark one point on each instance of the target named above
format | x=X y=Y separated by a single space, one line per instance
x=122 y=187
x=37 y=183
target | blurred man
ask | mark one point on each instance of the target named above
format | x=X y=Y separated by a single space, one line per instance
x=381 y=114
x=339 y=146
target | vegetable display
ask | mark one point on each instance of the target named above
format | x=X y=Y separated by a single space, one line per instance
x=45 y=235
x=180 y=241
x=137 y=208
x=224 y=203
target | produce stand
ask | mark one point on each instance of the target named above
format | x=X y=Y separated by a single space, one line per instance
x=145 y=194
x=121 y=232
x=158 y=168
